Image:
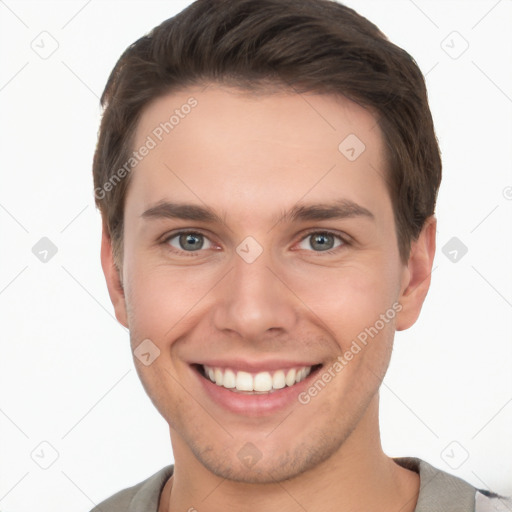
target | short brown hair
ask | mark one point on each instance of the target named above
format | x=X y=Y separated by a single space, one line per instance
x=316 y=46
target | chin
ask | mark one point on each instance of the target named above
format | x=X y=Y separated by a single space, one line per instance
x=266 y=468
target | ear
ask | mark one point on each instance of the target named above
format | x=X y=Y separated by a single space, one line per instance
x=416 y=276
x=114 y=285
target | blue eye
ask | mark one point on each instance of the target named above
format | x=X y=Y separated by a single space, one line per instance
x=188 y=241
x=322 y=241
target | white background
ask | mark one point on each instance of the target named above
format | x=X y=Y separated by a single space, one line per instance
x=67 y=375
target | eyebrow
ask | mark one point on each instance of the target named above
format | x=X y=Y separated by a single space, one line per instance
x=184 y=211
x=339 y=209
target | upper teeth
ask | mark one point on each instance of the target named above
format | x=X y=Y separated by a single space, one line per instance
x=263 y=381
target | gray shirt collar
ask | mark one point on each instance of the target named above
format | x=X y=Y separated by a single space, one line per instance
x=438 y=490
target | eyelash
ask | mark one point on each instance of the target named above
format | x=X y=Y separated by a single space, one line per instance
x=343 y=239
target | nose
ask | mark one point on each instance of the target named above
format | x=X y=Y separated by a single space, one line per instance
x=255 y=301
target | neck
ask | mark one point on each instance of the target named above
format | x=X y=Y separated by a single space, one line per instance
x=358 y=476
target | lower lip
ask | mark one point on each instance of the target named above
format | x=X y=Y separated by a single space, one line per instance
x=254 y=405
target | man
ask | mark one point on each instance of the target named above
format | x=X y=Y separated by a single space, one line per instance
x=292 y=144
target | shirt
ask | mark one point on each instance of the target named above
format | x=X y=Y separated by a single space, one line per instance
x=439 y=492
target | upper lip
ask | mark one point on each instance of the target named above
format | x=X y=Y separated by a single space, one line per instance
x=255 y=366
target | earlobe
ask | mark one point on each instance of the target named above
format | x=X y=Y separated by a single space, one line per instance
x=114 y=284
x=416 y=282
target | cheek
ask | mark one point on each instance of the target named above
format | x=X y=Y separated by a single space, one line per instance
x=349 y=300
x=158 y=298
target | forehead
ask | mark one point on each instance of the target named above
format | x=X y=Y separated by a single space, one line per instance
x=230 y=147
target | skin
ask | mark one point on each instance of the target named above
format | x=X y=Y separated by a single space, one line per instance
x=250 y=158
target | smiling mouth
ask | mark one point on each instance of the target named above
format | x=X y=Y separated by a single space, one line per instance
x=265 y=382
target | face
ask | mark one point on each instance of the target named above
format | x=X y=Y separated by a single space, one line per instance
x=258 y=254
